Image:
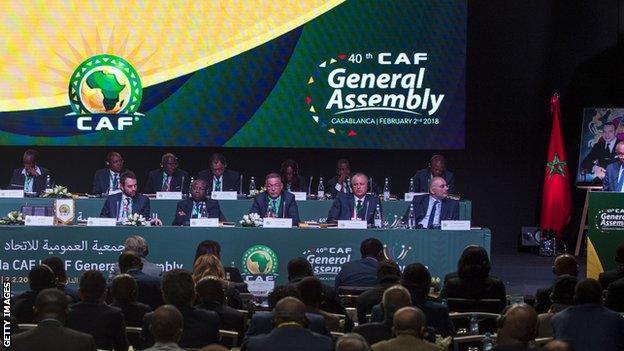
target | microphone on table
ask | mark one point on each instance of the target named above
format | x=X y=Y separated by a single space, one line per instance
x=284 y=209
x=240 y=185
x=310 y=186
x=366 y=211
x=118 y=211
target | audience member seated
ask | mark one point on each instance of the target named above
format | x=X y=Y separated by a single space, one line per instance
x=341 y=182
x=388 y=274
x=561 y=297
x=409 y=328
x=50 y=334
x=232 y=274
x=166 y=327
x=124 y=291
x=298 y=269
x=614 y=297
x=311 y=292
x=138 y=245
x=557 y=345
x=431 y=209
x=92 y=316
x=362 y=272
x=39 y=278
x=564 y=265
x=106 y=180
x=211 y=297
x=357 y=204
x=168 y=177
x=588 y=325
x=473 y=279
x=197 y=205
x=352 y=342
x=394 y=298
x=57 y=265
x=436 y=168
x=30 y=177
x=201 y=327
x=517 y=328
x=293 y=181
x=608 y=277
x=291 y=331
x=275 y=201
x=209 y=265
x=149 y=286
x=218 y=178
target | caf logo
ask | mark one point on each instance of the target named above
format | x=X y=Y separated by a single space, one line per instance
x=259 y=259
x=105 y=84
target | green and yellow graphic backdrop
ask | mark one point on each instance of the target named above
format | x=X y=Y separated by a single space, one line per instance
x=605 y=232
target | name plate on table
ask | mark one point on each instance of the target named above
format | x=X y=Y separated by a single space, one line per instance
x=204 y=222
x=357 y=224
x=169 y=195
x=113 y=192
x=38 y=221
x=455 y=225
x=6 y=193
x=101 y=222
x=410 y=196
x=300 y=195
x=270 y=222
x=223 y=195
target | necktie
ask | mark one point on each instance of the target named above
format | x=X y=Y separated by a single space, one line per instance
x=620 y=180
x=358 y=207
x=115 y=182
x=126 y=208
x=217 y=184
x=28 y=182
x=195 y=213
x=165 y=184
x=274 y=207
x=432 y=214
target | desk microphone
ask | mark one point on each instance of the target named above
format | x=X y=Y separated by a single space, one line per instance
x=284 y=209
x=366 y=212
x=310 y=186
x=118 y=211
x=240 y=185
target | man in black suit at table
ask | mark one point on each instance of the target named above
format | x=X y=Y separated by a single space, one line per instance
x=437 y=168
x=106 y=180
x=168 y=177
x=341 y=182
x=149 y=286
x=430 y=210
x=127 y=202
x=357 y=204
x=275 y=202
x=217 y=177
x=565 y=264
x=198 y=205
x=293 y=181
x=30 y=177
x=608 y=277
x=50 y=334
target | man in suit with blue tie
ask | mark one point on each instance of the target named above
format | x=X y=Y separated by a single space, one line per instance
x=430 y=210
x=198 y=205
x=275 y=202
x=357 y=204
x=106 y=180
x=168 y=177
x=128 y=202
x=614 y=177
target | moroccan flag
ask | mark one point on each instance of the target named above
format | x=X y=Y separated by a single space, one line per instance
x=556 y=201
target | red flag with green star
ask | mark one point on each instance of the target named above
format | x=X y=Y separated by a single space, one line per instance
x=556 y=200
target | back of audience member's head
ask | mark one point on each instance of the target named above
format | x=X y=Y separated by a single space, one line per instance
x=563 y=290
x=311 y=291
x=299 y=267
x=124 y=289
x=41 y=277
x=290 y=309
x=474 y=264
x=352 y=342
x=129 y=260
x=517 y=325
x=178 y=288
x=588 y=291
x=92 y=285
x=166 y=324
x=372 y=247
x=557 y=345
x=208 y=265
x=619 y=256
x=417 y=278
x=208 y=247
x=387 y=269
x=57 y=265
x=613 y=297
x=210 y=290
x=137 y=244
x=214 y=347
x=281 y=292
x=565 y=264
x=393 y=299
x=51 y=303
x=409 y=320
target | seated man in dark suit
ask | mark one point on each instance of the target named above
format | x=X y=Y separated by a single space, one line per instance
x=92 y=316
x=127 y=202
x=298 y=269
x=293 y=181
x=50 y=334
x=212 y=298
x=612 y=180
x=167 y=326
x=362 y=272
x=39 y=278
x=409 y=328
x=196 y=206
x=57 y=265
x=291 y=331
x=275 y=202
x=388 y=274
x=30 y=177
x=430 y=210
x=106 y=180
x=124 y=292
x=357 y=204
x=614 y=297
x=341 y=182
x=201 y=327
x=149 y=286
x=168 y=177
x=517 y=329
x=608 y=277
x=564 y=265
x=218 y=178
x=437 y=168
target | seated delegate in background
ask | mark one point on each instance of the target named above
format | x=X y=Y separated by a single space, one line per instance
x=291 y=178
x=198 y=205
x=430 y=209
x=106 y=180
x=217 y=177
x=341 y=182
x=168 y=177
x=30 y=177
x=357 y=204
x=275 y=202
x=614 y=180
x=436 y=168
x=127 y=202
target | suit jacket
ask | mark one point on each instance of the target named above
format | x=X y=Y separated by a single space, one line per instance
x=362 y=272
x=405 y=343
x=262 y=323
x=50 y=335
x=22 y=307
x=366 y=300
x=165 y=347
x=289 y=338
x=437 y=314
x=140 y=205
x=287 y=208
x=149 y=289
x=201 y=328
x=186 y=206
x=180 y=181
x=608 y=277
x=491 y=288
x=231 y=319
x=589 y=327
x=342 y=208
x=231 y=180
x=542 y=299
x=105 y=323
x=599 y=155
x=101 y=181
x=133 y=312
x=302 y=184
x=422 y=177
x=376 y=331
x=609 y=183
x=614 y=298
x=39 y=182
x=331 y=187
x=449 y=208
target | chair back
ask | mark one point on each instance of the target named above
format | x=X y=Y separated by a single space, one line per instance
x=471 y=305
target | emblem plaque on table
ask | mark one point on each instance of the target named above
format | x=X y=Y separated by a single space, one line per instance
x=64 y=211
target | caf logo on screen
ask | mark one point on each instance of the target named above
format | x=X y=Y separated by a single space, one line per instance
x=105 y=93
x=259 y=260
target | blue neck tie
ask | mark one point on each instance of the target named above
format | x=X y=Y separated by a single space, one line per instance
x=620 y=180
x=432 y=214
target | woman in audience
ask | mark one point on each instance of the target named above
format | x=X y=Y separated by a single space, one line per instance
x=209 y=265
x=231 y=273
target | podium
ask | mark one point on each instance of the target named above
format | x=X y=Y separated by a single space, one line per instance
x=605 y=230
